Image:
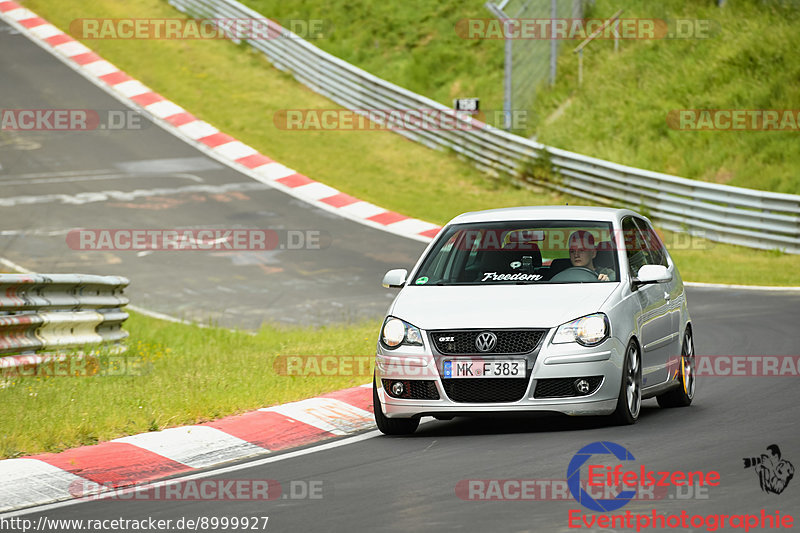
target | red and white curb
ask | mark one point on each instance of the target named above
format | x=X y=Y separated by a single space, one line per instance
x=204 y=136
x=137 y=459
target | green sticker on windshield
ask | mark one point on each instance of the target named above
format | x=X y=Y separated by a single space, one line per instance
x=422 y=281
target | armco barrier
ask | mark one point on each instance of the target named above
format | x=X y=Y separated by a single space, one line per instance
x=53 y=312
x=723 y=213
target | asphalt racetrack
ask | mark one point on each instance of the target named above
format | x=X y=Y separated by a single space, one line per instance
x=379 y=483
x=368 y=482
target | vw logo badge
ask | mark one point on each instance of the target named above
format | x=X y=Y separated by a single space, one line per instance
x=486 y=341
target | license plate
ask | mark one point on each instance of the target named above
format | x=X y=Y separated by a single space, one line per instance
x=481 y=368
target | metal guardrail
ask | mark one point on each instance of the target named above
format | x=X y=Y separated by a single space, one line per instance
x=53 y=312
x=723 y=213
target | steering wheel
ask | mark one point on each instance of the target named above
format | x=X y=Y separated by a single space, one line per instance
x=576 y=274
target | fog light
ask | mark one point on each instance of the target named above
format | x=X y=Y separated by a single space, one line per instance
x=582 y=386
x=397 y=388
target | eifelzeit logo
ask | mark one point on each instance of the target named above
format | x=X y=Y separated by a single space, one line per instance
x=774 y=473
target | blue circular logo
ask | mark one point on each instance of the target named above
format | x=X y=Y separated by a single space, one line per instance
x=574 y=476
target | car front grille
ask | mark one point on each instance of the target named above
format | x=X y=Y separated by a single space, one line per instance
x=509 y=341
x=485 y=390
x=564 y=387
x=414 y=389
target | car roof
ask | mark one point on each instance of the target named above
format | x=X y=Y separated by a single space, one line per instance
x=548 y=212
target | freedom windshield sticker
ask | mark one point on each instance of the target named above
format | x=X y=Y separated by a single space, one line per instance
x=494 y=276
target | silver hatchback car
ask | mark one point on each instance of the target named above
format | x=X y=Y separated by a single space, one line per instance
x=577 y=310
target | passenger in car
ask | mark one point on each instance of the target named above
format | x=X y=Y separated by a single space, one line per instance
x=582 y=252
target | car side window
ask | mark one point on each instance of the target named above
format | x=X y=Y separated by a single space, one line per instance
x=656 y=253
x=635 y=247
x=444 y=258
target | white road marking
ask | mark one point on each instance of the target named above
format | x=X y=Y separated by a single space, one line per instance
x=45 y=31
x=13 y=266
x=194 y=446
x=412 y=225
x=164 y=109
x=272 y=171
x=71 y=48
x=62 y=173
x=31 y=481
x=160 y=316
x=131 y=88
x=197 y=129
x=21 y=14
x=100 y=68
x=99 y=177
x=773 y=288
x=127 y=196
x=215 y=472
x=235 y=150
x=327 y=414
x=363 y=209
x=316 y=191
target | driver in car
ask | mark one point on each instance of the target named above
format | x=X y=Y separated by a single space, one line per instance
x=582 y=251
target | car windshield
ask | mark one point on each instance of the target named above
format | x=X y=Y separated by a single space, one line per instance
x=521 y=252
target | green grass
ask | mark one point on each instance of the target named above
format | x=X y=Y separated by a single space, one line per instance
x=412 y=43
x=620 y=111
x=191 y=375
x=237 y=90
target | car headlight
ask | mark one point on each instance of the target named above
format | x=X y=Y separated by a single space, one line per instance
x=589 y=330
x=396 y=332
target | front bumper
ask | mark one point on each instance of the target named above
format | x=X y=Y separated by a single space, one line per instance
x=551 y=361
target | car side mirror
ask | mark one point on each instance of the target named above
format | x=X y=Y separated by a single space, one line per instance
x=394 y=279
x=652 y=274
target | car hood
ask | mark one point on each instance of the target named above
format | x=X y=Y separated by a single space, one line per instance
x=499 y=306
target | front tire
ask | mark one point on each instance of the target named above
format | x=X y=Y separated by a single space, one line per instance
x=390 y=426
x=683 y=395
x=629 y=402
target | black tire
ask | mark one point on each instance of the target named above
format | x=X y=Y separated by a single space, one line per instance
x=391 y=426
x=629 y=401
x=682 y=395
